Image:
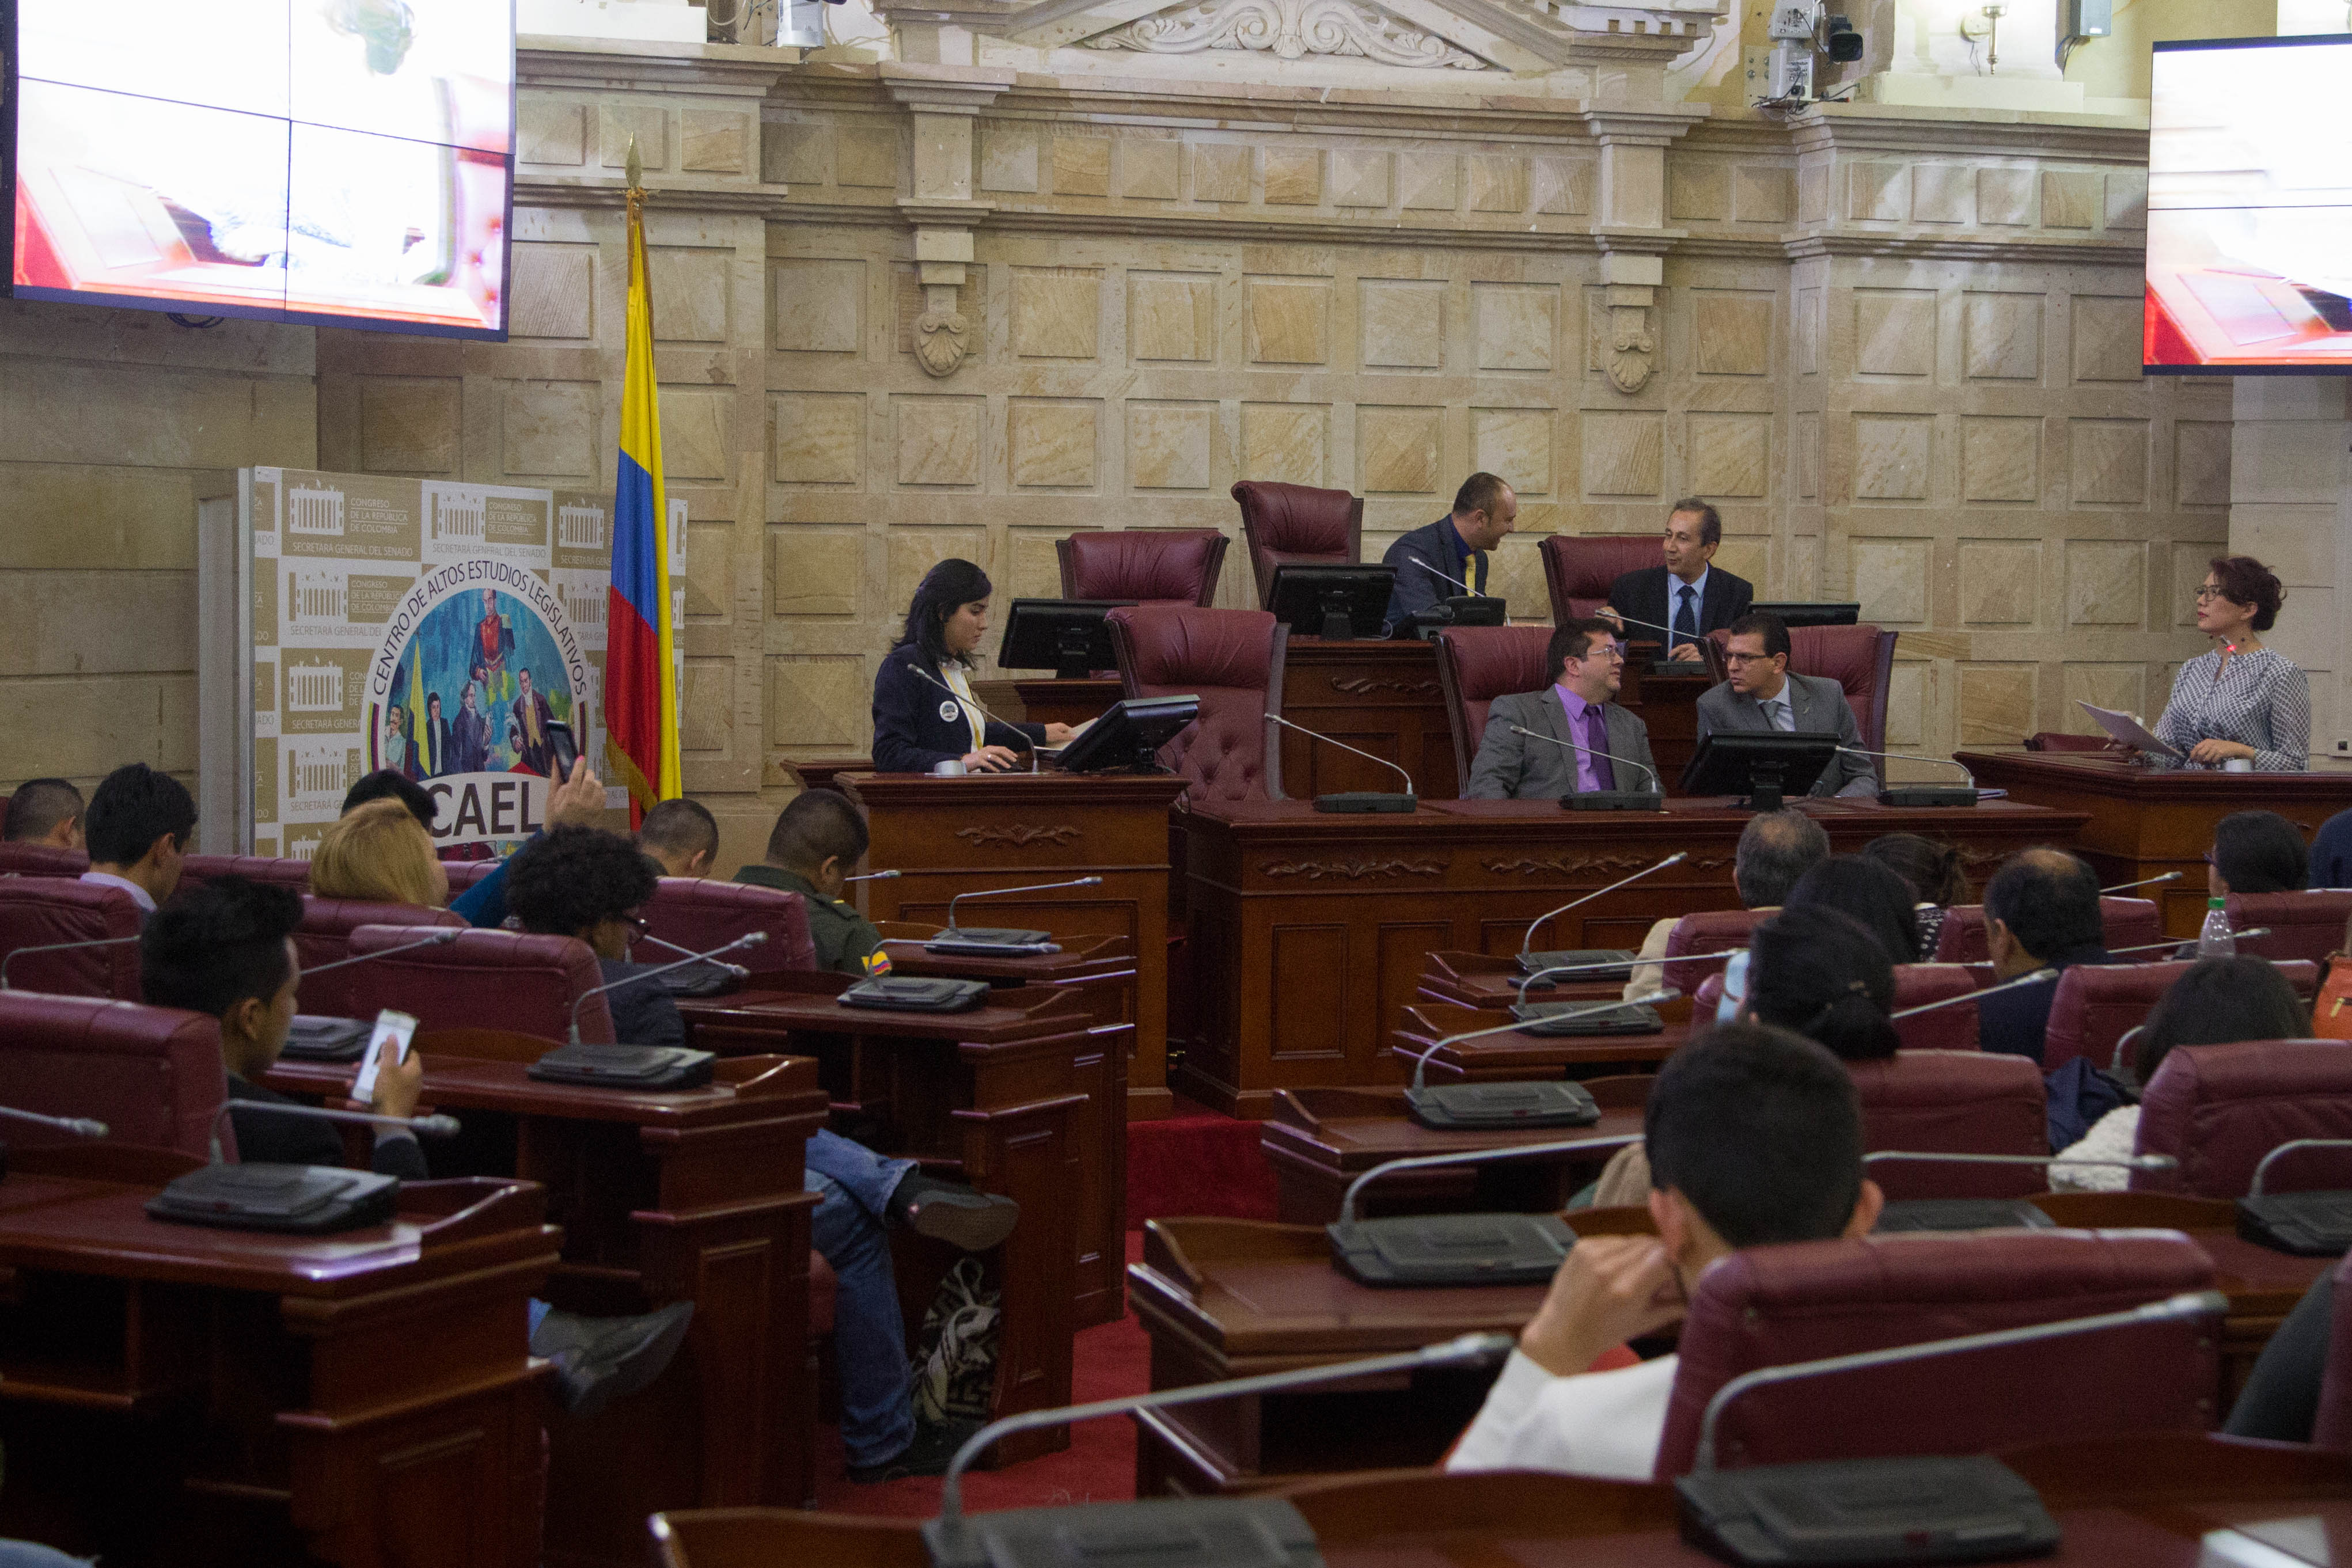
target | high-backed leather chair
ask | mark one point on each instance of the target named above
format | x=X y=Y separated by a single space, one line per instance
x=41 y=911
x=1151 y=566
x=153 y=1075
x=1770 y=1306
x=1709 y=931
x=2127 y=923
x=1578 y=572
x=2096 y=1004
x=700 y=913
x=2219 y=1109
x=2300 y=924
x=1283 y=523
x=463 y=874
x=325 y=937
x=42 y=859
x=1954 y=1103
x=1232 y=659
x=1860 y=659
x=485 y=979
x=279 y=871
x=1475 y=664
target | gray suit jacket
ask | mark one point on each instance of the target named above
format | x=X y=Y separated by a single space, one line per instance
x=1820 y=709
x=1512 y=767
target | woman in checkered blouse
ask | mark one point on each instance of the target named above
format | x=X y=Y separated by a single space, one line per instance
x=2242 y=700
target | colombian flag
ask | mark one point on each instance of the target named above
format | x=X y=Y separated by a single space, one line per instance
x=640 y=697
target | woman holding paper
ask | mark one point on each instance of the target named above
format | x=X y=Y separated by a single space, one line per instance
x=2241 y=702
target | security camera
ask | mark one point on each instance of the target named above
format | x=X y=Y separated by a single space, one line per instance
x=1841 y=41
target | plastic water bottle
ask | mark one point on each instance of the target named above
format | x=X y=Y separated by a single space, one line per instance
x=2214 y=941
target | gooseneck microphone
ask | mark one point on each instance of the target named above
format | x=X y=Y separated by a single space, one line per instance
x=876 y=876
x=442 y=937
x=748 y=939
x=738 y=970
x=2184 y=942
x=1447 y=576
x=1654 y=788
x=981 y=709
x=428 y=1126
x=1355 y=800
x=1473 y=1157
x=2120 y=1162
x=1527 y=941
x=2144 y=882
x=79 y=1126
x=1726 y=956
x=1421 y=1062
x=1672 y=635
x=2262 y=1168
x=1006 y=892
x=2035 y=978
x=58 y=948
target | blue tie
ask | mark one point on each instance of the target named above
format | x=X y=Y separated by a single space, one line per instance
x=1686 y=618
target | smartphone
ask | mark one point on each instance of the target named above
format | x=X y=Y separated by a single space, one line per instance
x=565 y=750
x=391 y=1037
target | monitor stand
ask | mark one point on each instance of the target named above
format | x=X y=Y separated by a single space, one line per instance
x=1764 y=789
x=1070 y=661
x=1338 y=625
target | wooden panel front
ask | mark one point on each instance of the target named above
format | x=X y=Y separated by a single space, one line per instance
x=1380 y=697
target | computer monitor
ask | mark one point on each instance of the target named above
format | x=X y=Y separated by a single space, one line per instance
x=1795 y=614
x=1129 y=736
x=1766 y=766
x=1068 y=636
x=1332 y=600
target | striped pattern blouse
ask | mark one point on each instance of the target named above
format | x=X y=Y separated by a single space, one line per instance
x=2263 y=700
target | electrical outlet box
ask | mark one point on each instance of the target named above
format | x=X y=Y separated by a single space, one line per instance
x=1755 y=61
x=2086 y=18
x=2343 y=746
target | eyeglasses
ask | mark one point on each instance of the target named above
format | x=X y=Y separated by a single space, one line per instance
x=636 y=924
x=1614 y=651
x=2207 y=591
x=1749 y=658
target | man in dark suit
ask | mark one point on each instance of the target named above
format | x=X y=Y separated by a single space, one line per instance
x=1762 y=695
x=1434 y=564
x=1685 y=592
x=1586 y=662
x=2041 y=908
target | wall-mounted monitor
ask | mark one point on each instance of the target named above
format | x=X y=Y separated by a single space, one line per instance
x=341 y=162
x=2250 y=207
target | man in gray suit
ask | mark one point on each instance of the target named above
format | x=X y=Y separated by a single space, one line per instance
x=1586 y=662
x=1763 y=694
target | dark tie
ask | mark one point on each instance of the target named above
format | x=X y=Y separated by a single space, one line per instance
x=1686 y=618
x=1596 y=735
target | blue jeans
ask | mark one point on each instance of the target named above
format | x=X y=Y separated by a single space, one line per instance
x=854 y=1185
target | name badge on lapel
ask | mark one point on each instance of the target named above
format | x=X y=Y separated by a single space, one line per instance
x=948 y=711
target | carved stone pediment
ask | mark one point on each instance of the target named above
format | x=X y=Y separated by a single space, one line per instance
x=1288 y=29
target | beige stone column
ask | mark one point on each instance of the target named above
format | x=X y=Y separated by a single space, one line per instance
x=1631 y=231
x=944 y=101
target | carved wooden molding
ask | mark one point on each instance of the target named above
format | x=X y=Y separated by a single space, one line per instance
x=1288 y=29
x=1021 y=835
x=1572 y=865
x=1364 y=686
x=1351 y=870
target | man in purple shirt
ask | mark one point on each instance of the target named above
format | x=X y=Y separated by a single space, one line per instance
x=1570 y=738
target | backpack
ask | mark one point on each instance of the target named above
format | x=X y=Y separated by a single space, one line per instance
x=955 y=1356
x=2328 y=1018
x=2079 y=1094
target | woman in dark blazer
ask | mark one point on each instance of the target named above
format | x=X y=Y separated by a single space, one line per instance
x=924 y=713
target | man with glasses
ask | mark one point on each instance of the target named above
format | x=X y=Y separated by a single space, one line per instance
x=1764 y=694
x=1571 y=737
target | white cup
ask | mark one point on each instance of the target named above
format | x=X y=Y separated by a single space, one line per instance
x=2238 y=765
x=949 y=768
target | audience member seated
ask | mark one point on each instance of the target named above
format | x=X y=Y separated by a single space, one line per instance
x=44 y=811
x=2219 y=1001
x=227 y=948
x=1755 y=1137
x=818 y=840
x=1775 y=848
x=578 y=799
x=1871 y=894
x=1593 y=744
x=376 y=853
x=137 y=829
x=1762 y=694
x=681 y=836
x=1683 y=592
x=1934 y=873
x=2331 y=853
x=2042 y=910
x=1448 y=556
x=2280 y=1401
x=2255 y=852
x=583 y=882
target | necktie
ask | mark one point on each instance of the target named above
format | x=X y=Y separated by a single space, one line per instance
x=1777 y=715
x=1470 y=572
x=1596 y=735
x=1686 y=618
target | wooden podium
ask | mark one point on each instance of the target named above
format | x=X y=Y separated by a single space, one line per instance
x=2143 y=821
x=1379 y=696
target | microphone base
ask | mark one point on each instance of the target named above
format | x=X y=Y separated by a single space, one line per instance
x=1612 y=800
x=1438 y=1250
x=1928 y=795
x=1363 y=801
x=1545 y=1102
x=1865 y=1510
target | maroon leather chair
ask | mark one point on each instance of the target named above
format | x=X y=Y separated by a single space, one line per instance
x=485 y=979
x=1770 y=1306
x=1946 y=1029
x=1860 y=659
x=2219 y=1109
x=1151 y=566
x=2098 y=1004
x=2128 y=923
x=1475 y=664
x=1232 y=659
x=325 y=937
x=1954 y=1103
x=280 y=871
x=41 y=860
x=463 y=874
x=700 y=913
x=1578 y=572
x=1709 y=931
x=2302 y=924
x=153 y=1075
x=1297 y=523
x=39 y=911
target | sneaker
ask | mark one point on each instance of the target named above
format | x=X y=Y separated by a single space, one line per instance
x=598 y=1360
x=935 y=1444
x=948 y=1211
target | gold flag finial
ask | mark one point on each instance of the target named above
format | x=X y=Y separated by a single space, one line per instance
x=636 y=166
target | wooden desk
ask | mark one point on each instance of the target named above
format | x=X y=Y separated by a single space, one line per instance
x=176 y=1395
x=1668 y=706
x=1321 y=1140
x=1379 y=696
x=1491 y=980
x=1046 y=700
x=694 y=1195
x=1310 y=931
x=1005 y=830
x=1519 y=1055
x=2143 y=821
x=820 y=772
x=995 y=1094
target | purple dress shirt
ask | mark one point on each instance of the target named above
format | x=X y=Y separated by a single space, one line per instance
x=1588 y=727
